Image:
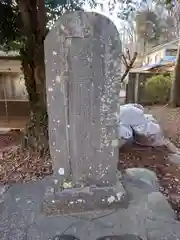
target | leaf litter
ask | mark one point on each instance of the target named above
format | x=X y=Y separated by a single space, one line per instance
x=18 y=165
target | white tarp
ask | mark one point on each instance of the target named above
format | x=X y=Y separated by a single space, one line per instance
x=145 y=128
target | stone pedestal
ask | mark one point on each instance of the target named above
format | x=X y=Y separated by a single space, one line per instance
x=86 y=199
x=147 y=216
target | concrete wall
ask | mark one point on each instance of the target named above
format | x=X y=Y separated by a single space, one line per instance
x=13 y=109
x=13 y=95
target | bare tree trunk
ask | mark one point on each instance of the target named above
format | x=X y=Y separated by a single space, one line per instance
x=36 y=134
x=34 y=21
x=175 y=90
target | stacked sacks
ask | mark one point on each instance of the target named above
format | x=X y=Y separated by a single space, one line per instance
x=136 y=126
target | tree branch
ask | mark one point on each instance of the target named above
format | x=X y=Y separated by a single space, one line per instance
x=124 y=60
x=128 y=55
x=129 y=67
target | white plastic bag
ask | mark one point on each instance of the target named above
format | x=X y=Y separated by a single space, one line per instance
x=138 y=106
x=145 y=127
x=149 y=134
x=150 y=117
x=132 y=105
x=131 y=115
x=125 y=134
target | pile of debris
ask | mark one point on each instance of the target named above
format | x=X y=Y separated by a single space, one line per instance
x=136 y=126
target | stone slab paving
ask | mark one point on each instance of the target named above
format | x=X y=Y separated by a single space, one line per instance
x=148 y=215
x=19 y=206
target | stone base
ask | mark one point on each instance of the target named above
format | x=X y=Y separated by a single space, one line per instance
x=79 y=200
x=147 y=216
x=109 y=237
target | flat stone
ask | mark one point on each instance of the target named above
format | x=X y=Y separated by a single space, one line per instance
x=147 y=200
x=49 y=227
x=158 y=203
x=65 y=237
x=89 y=226
x=166 y=229
x=137 y=220
x=174 y=158
x=170 y=146
x=145 y=175
x=20 y=207
x=110 y=237
x=148 y=213
x=3 y=189
x=121 y=237
x=148 y=216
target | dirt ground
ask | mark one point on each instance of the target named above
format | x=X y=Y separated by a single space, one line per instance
x=19 y=166
x=169 y=119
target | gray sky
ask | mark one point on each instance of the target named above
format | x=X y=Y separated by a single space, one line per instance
x=106 y=12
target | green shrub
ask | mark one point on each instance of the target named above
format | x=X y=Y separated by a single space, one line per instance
x=158 y=89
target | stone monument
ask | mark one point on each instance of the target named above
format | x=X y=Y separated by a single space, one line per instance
x=83 y=68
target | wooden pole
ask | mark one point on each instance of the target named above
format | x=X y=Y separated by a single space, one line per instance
x=5 y=97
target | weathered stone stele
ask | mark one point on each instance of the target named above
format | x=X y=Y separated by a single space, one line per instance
x=83 y=69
